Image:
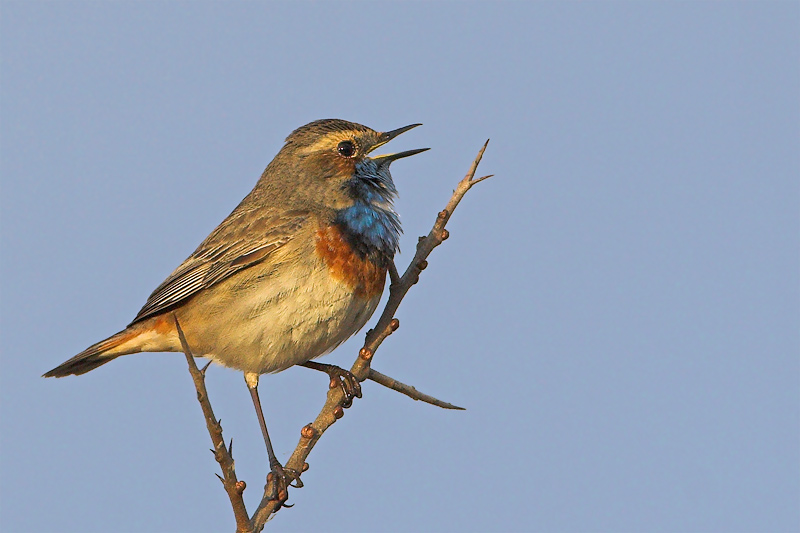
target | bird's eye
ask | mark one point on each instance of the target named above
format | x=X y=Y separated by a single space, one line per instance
x=346 y=148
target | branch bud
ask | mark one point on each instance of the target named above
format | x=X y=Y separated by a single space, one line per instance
x=308 y=431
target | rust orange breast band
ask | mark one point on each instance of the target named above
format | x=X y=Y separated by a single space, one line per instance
x=359 y=273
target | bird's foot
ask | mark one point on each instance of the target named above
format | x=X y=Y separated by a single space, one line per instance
x=344 y=379
x=347 y=382
x=280 y=479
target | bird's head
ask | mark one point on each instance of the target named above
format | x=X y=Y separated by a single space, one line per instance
x=329 y=165
x=336 y=155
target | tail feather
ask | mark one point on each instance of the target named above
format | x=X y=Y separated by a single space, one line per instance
x=94 y=356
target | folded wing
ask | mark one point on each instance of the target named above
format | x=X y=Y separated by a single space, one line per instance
x=238 y=243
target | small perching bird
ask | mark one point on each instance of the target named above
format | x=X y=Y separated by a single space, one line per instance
x=297 y=268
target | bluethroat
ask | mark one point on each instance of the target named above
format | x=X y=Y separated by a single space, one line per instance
x=297 y=268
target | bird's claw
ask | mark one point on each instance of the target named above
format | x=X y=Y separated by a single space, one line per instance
x=344 y=379
x=281 y=479
x=347 y=382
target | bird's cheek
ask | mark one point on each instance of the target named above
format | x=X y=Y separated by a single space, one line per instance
x=330 y=166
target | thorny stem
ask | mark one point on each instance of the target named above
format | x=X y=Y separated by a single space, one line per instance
x=224 y=457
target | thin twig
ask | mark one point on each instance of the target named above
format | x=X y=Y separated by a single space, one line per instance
x=233 y=487
x=394 y=275
x=408 y=390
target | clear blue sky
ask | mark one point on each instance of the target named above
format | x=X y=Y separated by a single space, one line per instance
x=618 y=309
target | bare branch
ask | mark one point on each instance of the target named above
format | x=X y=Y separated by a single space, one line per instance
x=233 y=487
x=394 y=275
x=478 y=180
x=408 y=390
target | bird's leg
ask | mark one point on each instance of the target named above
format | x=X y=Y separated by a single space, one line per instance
x=282 y=477
x=344 y=379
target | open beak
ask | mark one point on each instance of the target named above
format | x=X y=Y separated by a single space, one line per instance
x=385 y=137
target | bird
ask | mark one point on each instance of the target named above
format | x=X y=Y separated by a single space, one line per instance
x=297 y=267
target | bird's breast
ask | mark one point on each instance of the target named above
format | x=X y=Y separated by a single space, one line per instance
x=363 y=276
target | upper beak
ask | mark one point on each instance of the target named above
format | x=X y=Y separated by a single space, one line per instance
x=389 y=135
x=385 y=137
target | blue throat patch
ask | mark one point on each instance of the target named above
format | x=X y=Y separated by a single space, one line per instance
x=371 y=223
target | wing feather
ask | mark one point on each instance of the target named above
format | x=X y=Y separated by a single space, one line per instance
x=237 y=244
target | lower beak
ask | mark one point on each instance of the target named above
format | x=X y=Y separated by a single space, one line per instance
x=388 y=158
